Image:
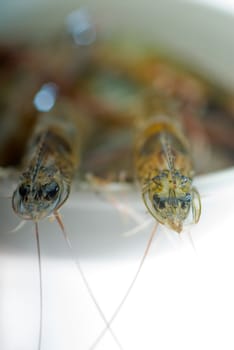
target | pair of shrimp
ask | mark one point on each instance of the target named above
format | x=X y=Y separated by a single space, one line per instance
x=163 y=168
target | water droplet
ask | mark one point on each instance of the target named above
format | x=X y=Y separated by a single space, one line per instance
x=45 y=98
x=81 y=27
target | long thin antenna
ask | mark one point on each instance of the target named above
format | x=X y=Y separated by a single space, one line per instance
x=40 y=284
x=19 y=226
x=77 y=263
x=190 y=239
x=129 y=288
x=137 y=228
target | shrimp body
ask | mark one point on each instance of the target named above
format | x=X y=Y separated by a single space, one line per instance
x=165 y=172
x=51 y=161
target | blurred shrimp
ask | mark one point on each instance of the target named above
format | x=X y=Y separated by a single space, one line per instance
x=49 y=167
x=165 y=172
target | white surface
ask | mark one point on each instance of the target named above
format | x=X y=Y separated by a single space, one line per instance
x=183 y=299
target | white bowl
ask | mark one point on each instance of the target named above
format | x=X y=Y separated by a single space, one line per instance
x=183 y=297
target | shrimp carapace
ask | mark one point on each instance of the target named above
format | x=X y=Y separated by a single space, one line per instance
x=165 y=172
x=50 y=164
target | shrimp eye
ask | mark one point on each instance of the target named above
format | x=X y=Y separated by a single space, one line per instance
x=51 y=190
x=24 y=190
x=185 y=201
x=159 y=202
x=162 y=204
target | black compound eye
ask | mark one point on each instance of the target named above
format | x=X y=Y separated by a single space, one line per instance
x=184 y=180
x=186 y=200
x=188 y=197
x=50 y=190
x=24 y=190
x=159 y=202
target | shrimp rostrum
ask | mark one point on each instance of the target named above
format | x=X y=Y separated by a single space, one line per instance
x=165 y=173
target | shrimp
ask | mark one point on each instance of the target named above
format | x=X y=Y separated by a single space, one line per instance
x=164 y=171
x=49 y=167
x=45 y=183
x=51 y=163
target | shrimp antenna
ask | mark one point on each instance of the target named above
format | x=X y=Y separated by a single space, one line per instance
x=77 y=263
x=137 y=228
x=19 y=226
x=129 y=288
x=190 y=240
x=120 y=206
x=40 y=284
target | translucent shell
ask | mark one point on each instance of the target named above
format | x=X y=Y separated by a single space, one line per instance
x=164 y=171
x=50 y=164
